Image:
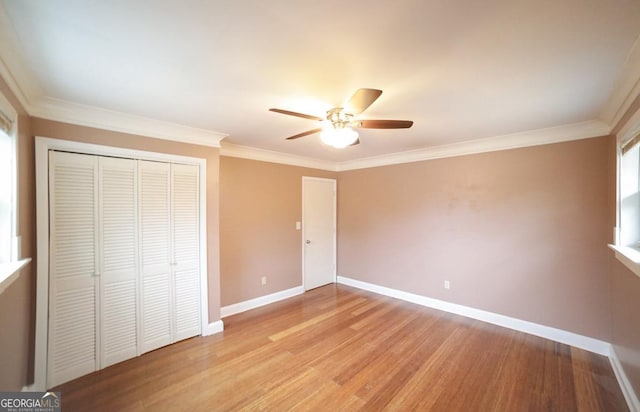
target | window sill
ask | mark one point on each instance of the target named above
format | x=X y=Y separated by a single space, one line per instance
x=9 y=272
x=629 y=256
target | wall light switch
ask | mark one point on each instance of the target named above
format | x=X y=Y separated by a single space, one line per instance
x=298 y=225
x=264 y=280
x=447 y=285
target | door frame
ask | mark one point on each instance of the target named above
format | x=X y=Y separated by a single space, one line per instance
x=43 y=146
x=335 y=229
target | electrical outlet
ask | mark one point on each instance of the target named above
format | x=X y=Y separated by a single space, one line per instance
x=447 y=284
x=264 y=280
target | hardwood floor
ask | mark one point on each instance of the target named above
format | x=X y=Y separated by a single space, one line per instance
x=338 y=348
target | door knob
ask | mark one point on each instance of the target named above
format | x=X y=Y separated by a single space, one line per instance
x=308 y=242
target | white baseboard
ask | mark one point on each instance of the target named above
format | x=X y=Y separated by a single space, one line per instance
x=558 y=335
x=213 y=328
x=623 y=380
x=260 y=301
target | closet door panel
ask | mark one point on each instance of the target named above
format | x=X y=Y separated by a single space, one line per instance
x=155 y=255
x=119 y=279
x=185 y=202
x=73 y=268
x=187 y=316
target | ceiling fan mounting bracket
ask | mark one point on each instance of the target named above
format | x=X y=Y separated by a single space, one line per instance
x=339 y=118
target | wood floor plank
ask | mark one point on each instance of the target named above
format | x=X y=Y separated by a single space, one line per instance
x=287 y=395
x=377 y=346
x=337 y=348
x=481 y=366
x=558 y=377
x=315 y=320
x=438 y=368
x=415 y=357
x=331 y=397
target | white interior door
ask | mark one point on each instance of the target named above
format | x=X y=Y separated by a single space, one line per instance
x=156 y=300
x=186 y=256
x=318 y=231
x=118 y=189
x=73 y=285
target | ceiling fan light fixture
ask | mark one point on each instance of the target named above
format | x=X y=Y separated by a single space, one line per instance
x=337 y=130
x=338 y=137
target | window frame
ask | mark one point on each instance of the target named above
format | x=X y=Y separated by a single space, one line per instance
x=10 y=136
x=9 y=270
x=629 y=255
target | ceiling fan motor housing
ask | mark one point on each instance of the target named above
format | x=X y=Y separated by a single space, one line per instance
x=339 y=118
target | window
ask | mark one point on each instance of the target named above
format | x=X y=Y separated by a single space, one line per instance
x=8 y=252
x=629 y=203
x=627 y=235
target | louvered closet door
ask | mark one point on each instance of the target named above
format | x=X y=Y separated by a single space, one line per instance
x=186 y=256
x=119 y=260
x=73 y=269
x=156 y=297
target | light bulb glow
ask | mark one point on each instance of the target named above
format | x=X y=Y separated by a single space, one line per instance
x=338 y=137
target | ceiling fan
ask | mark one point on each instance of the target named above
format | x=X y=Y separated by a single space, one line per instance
x=337 y=130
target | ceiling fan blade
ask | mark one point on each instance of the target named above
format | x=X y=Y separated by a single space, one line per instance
x=304 y=116
x=362 y=99
x=307 y=133
x=383 y=124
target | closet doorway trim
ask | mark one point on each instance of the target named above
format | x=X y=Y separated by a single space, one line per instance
x=43 y=146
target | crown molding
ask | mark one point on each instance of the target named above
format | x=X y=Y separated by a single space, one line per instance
x=83 y=115
x=13 y=70
x=5 y=74
x=627 y=88
x=27 y=90
x=576 y=131
x=630 y=129
x=263 y=155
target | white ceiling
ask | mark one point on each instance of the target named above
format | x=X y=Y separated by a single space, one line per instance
x=462 y=70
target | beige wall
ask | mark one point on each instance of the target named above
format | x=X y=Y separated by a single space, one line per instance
x=520 y=232
x=48 y=128
x=259 y=205
x=16 y=309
